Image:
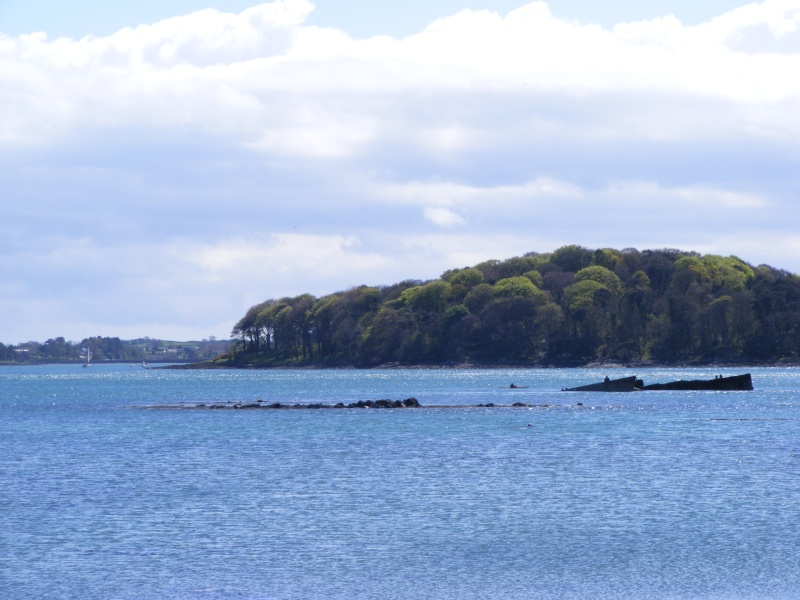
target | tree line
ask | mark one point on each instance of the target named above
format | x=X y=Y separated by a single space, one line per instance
x=112 y=349
x=571 y=306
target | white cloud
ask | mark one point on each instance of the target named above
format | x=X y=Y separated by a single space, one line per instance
x=685 y=198
x=263 y=75
x=321 y=257
x=447 y=194
x=189 y=149
x=443 y=217
x=770 y=27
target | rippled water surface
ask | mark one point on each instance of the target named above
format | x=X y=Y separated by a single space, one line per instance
x=663 y=495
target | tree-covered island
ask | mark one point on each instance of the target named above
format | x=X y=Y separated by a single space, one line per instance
x=572 y=306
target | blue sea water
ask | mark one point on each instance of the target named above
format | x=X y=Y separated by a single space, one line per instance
x=656 y=495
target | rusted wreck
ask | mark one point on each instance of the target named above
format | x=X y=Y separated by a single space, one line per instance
x=720 y=383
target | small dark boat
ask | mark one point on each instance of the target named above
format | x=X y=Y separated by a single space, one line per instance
x=734 y=383
x=625 y=384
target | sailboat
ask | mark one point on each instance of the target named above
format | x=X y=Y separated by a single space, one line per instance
x=88 y=362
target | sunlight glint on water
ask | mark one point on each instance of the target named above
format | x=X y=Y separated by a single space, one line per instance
x=654 y=495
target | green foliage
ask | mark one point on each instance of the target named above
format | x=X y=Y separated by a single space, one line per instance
x=516 y=287
x=602 y=276
x=516 y=267
x=489 y=270
x=479 y=297
x=638 y=281
x=572 y=258
x=608 y=258
x=430 y=297
x=695 y=265
x=535 y=277
x=455 y=314
x=728 y=273
x=468 y=278
x=112 y=349
x=574 y=304
x=585 y=294
x=462 y=281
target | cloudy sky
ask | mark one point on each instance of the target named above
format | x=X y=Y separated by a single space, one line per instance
x=166 y=165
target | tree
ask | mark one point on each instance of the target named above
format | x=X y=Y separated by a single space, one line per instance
x=388 y=338
x=339 y=321
x=250 y=327
x=573 y=304
x=634 y=314
x=516 y=287
x=602 y=276
x=478 y=297
x=590 y=307
x=572 y=258
x=462 y=281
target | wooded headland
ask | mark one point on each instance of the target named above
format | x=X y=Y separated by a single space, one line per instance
x=571 y=306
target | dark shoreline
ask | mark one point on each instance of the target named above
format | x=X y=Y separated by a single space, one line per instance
x=397 y=367
x=181 y=365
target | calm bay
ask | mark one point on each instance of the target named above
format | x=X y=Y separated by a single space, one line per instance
x=663 y=495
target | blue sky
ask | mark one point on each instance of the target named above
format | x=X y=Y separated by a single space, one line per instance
x=165 y=166
x=359 y=18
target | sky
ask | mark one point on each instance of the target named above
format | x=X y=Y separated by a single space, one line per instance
x=166 y=165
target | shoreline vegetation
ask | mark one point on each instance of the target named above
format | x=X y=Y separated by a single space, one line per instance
x=611 y=365
x=572 y=307
x=109 y=350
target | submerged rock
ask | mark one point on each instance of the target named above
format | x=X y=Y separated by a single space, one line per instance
x=407 y=403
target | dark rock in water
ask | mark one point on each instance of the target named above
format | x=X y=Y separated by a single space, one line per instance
x=407 y=403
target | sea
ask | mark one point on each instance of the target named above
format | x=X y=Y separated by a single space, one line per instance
x=112 y=486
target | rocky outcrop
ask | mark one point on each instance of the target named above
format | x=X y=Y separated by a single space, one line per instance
x=407 y=403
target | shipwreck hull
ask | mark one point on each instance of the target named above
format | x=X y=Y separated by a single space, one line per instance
x=625 y=384
x=734 y=383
